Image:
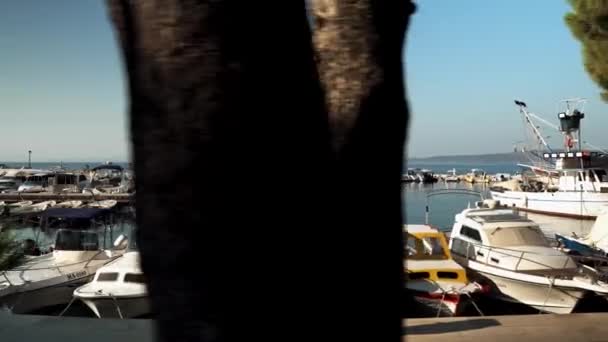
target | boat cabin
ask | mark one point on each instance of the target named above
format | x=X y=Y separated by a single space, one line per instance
x=428 y=255
x=38 y=180
x=580 y=171
x=65 y=181
x=78 y=229
x=503 y=238
x=127 y=271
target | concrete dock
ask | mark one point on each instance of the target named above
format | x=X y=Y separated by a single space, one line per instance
x=60 y=197
x=574 y=327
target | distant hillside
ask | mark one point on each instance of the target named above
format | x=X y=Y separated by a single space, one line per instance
x=510 y=157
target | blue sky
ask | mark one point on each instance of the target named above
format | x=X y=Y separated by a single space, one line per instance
x=62 y=93
x=61 y=88
x=467 y=60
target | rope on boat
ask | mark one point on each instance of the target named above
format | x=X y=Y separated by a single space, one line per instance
x=116 y=305
x=474 y=304
x=108 y=294
x=441 y=304
x=551 y=283
x=67 y=307
x=455 y=291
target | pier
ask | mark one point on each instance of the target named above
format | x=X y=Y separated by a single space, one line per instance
x=60 y=197
x=573 y=327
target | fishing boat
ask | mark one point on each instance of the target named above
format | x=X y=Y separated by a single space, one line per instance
x=49 y=280
x=571 y=183
x=118 y=289
x=433 y=279
x=510 y=255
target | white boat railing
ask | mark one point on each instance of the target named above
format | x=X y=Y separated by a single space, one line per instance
x=57 y=268
x=479 y=250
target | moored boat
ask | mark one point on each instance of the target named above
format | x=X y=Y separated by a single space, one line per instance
x=433 y=279
x=118 y=289
x=570 y=183
x=48 y=280
x=105 y=204
x=511 y=255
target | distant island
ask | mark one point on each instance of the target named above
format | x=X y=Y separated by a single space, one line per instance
x=509 y=157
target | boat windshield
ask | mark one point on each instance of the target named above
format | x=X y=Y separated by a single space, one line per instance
x=76 y=240
x=518 y=236
x=427 y=247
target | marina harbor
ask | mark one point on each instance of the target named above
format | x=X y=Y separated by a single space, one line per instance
x=368 y=170
x=477 y=243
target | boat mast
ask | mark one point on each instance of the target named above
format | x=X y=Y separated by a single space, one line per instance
x=523 y=110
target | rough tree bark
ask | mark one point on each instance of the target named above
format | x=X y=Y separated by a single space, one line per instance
x=359 y=52
x=246 y=204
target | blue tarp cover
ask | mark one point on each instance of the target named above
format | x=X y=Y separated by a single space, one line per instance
x=74 y=213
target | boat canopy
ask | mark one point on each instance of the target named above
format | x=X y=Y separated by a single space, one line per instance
x=108 y=167
x=74 y=213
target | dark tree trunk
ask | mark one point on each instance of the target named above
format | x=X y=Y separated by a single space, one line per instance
x=359 y=47
x=247 y=213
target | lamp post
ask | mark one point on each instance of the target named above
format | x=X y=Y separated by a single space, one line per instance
x=29 y=159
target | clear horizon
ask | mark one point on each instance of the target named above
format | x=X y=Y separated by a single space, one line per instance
x=63 y=95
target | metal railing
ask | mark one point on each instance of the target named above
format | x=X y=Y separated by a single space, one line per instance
x=485 y=252
x=22 y=270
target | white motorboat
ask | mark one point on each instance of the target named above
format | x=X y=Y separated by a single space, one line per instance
x=451 y=177
x=105 y=204
x=31 y=208
x=574 y=182
x=35 y=183
x=118 y=289
x=432 y=277
x=511 y=255
x=68 y=204
x=49 y=280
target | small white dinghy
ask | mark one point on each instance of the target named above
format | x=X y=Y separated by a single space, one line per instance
x=118 y=289
x=68 y=204
x=17 y=206
x=105 y=204
x=31 y=208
